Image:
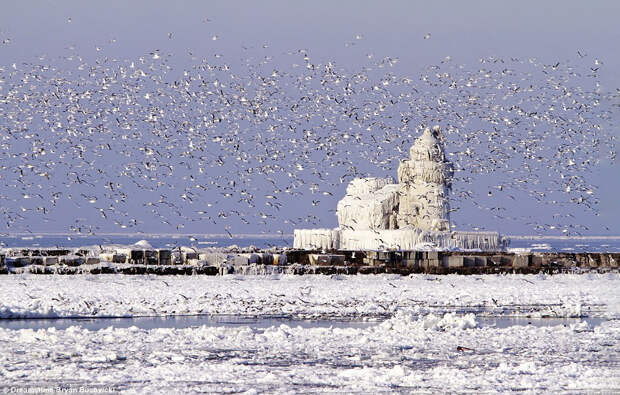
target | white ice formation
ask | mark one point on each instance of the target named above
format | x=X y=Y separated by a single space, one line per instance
x=370 y=203
x=424 y=184
x=414 y=214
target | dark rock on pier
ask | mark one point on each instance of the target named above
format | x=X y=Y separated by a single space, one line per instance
x=299 y=262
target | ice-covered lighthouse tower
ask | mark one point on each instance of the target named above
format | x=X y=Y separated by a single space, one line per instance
x=424 y=182
x=377 y=214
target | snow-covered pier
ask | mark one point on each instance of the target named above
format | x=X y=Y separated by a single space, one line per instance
x=140 y=259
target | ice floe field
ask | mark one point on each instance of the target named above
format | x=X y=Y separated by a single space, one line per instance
x=428 y=334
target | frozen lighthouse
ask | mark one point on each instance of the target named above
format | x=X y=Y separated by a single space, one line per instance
x=414 y=214
x=424 y=182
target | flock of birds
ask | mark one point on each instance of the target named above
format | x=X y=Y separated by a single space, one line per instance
x=270 y=143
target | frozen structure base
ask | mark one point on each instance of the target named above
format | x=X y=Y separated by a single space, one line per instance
x=317 y=239
x=396 y=239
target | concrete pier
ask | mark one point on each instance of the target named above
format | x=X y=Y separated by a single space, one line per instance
x=293 y=261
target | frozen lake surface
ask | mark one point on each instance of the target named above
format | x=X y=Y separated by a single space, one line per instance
x=309 y=297
x=157 y=241
x=192 y=321
x=430 y=353
x=533 y=243
x=177 y=322
x=312 y=333
x=566 y=244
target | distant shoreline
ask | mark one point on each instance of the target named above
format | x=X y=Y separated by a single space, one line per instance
x=537 y=237
x=266 y=235
x=156 y=235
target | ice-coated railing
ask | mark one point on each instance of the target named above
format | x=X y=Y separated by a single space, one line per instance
x=397 y=239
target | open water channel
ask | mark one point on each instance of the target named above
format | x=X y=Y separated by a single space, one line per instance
x=188 y=321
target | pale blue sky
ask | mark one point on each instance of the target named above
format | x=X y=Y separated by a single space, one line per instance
x=551 y=31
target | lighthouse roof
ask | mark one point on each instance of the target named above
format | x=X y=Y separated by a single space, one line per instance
x=428 y=146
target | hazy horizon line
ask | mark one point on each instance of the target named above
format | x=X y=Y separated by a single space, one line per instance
x=259 y=235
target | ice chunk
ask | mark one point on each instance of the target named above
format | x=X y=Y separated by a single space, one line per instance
x=143 y=244
x=405 y=321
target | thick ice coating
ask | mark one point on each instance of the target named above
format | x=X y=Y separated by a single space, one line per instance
x=419 y=200
x=413 y=214
x=424 y=185
x=370 y=203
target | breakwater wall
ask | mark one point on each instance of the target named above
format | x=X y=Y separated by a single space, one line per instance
x=461 y=262
x=292 y=261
